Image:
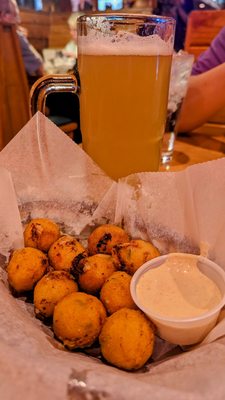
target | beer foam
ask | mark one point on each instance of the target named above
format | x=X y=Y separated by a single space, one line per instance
x=123 y=43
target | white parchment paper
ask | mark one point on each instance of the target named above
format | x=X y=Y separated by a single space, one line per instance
x=53 y=175
x=43 y=173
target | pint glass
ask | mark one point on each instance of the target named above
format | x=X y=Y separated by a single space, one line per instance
x=124 y=66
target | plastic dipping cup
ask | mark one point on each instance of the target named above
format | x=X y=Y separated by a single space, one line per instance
x=186 y=331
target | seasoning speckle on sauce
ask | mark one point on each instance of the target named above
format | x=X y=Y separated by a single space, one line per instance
x=177 y=288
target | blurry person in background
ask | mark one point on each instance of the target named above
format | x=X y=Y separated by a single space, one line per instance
x=65 y=5
x=165 y=8
x=33 y=63
x=75 y=5
x=85 y=5
x=206 y=90
x=182 y=10
x=179 y=10
x=9 y=12
x=81 y=5
x=70 y=50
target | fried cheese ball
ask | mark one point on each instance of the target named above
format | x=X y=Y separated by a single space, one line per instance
x=78 y=319
x=41 y=233
x=51 y=288
x=135 y=253
x=127 y=339
x=26 y=267
x=115 y=292
x=65 y=252
x=94 y=271
x=104 y=237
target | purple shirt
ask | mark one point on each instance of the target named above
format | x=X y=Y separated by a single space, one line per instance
x=31 y=58
x=213 y=56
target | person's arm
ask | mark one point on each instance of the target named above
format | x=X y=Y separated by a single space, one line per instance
x=205 y=96
x=32 y=60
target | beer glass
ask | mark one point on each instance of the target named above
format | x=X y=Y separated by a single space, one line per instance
x=180 y=72
x=124 y=66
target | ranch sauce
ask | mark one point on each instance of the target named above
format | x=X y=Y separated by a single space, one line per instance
x=177 y=288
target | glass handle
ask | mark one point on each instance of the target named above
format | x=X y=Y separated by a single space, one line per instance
x=50 y=84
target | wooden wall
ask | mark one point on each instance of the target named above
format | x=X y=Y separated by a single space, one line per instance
x=59 y=33
x=38 y=27
x=14 y=105
x=46 y=29
x=202 y=27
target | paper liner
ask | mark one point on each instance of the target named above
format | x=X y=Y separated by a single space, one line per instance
x=11 y=232
x=52 y=175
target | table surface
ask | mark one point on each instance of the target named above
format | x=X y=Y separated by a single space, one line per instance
x=193 y=148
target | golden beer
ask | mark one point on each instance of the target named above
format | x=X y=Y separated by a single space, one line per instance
x=123 y=104
x=124 y=65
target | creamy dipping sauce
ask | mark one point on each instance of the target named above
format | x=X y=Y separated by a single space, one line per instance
x=177 y=288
